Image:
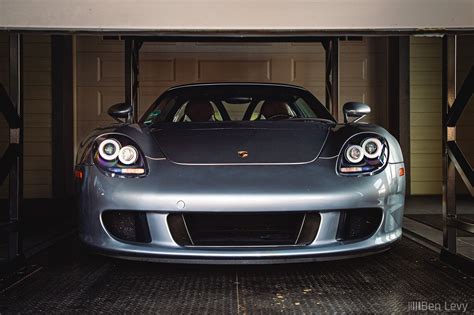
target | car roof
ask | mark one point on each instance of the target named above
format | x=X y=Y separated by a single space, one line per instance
x=230 y=84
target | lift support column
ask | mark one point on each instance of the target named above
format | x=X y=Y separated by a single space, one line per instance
x=11 y=163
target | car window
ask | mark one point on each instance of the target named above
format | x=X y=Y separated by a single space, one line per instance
x=284 y=111
x=236 y=110
x=182 y=114
x=234 y=104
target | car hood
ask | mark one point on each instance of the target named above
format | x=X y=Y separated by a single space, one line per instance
x=224 y=143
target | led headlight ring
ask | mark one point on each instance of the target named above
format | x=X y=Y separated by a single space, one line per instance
x=128 y=155
x=109 y=156
x=353 y=149
x=377 y=152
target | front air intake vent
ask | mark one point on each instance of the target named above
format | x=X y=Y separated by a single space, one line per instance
x=129 y=226
x=358 y=224
x=244 y=229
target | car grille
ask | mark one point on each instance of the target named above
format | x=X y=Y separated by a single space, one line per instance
x=244 y=229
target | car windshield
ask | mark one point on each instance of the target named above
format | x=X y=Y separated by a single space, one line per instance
x=221 y=104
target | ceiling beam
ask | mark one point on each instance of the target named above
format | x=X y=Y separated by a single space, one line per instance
x=238 y=15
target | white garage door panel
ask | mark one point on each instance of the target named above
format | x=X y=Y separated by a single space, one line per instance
x=98 y=100
x=234 y=70
x=157 y=71
x=309 y=72
x=355 y=71
x=100 y=69
x=100 y=76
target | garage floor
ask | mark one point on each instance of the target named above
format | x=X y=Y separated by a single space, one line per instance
x=68 y=280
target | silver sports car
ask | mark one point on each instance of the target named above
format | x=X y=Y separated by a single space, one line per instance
x=238 y=173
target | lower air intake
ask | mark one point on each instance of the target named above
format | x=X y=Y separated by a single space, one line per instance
x=127 y=225
x=243 y=229
x=357 y=224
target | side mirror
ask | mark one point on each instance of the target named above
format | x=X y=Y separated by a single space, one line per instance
x=355 y=109
x=121 y=112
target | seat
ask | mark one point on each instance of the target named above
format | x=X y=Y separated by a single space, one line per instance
x=199 y=110
x=274 y=109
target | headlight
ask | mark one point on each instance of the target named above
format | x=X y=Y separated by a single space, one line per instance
x=372 y=148
x=109 y=149
x=363 y=154
x=118 y=155
x=354 y=154
x=128 y=155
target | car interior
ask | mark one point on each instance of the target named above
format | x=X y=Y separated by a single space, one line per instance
x=200 y=110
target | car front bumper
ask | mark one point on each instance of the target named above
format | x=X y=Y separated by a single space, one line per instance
x=159 y=197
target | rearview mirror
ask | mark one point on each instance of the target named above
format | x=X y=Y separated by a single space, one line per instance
x=121 y=112
x=355 y=109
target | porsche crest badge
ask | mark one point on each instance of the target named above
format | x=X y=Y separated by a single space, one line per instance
x=243 y=154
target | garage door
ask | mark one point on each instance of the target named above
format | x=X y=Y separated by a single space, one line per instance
x=100 y=76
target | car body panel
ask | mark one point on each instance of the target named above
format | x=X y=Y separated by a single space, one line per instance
x=201 y=143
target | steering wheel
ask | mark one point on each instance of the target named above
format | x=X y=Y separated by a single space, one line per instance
x=279 y=117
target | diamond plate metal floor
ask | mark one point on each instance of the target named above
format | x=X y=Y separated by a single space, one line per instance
x=68 y=280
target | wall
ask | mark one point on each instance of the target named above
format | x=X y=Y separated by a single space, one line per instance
x=425 y=115
x=100 y=71
x=37 y=113
x=425 y=111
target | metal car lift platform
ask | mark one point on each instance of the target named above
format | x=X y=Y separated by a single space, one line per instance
x=66 y=279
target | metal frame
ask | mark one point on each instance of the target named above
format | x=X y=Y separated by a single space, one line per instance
x=134 y=43
x=11 y=163
x=62 y=115
x=132 y=69
x=449 y=171
x=398 y=95
x=453 y=158
x=331 y=46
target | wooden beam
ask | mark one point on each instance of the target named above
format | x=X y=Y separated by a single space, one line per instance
x=365 y=16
